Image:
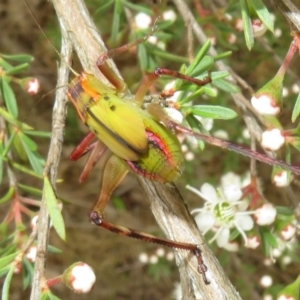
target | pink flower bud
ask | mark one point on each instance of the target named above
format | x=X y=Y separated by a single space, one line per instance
x=32 y=86
x=265 y=215
x=265 y=105
x=79 y=277
x=288 y=232
x=272 y=139
x=281 y=179
x=258 y=27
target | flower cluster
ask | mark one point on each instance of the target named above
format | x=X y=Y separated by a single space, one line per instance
x=238 y=207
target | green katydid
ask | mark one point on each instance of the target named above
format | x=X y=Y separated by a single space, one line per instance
x=133 y=138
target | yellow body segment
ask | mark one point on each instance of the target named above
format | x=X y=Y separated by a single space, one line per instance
x=116 y=122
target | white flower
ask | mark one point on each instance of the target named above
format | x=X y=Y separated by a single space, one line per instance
x=265 y=105
x=222 y=211
x=272 y=139
x=265 y=215
x=82 y=278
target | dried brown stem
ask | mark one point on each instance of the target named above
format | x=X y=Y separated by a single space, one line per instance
x=58 y=121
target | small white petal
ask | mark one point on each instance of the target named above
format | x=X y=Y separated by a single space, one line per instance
x=205 y=221
x=209 y=192
x=272 y=139
x=265 y=105
x=223 y=237
x=230 y=178
x=175 y=114
x=245 y=222
x=232 y=193
x=231 y=247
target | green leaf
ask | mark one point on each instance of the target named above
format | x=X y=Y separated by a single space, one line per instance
x=116 y=21
x=21 y=58
x=26 y=170
x=17 y=69
x=143 y=57
x=9 y=98
x=28 y=141
x=268 y=240
x=205 y=64
x=226 y=86
x=53 y=209
x=31 y=190
x=10 y=119
x=200 y=55
x=6 y=285
x=138 y=8
x=37 y=133
x=263 y=14
x=248 y=31
x=196 y=125
x=6 y=260
x=8 y=195
x=296 y=109
x=211 y=112
x=52 y=297
x=27 y=272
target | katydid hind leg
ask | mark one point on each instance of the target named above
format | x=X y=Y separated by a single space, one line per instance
x=159 y=114
x=98 y=220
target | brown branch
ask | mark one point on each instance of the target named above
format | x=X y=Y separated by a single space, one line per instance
x=58 y=125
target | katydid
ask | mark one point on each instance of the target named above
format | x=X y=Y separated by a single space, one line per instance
x=133 y=138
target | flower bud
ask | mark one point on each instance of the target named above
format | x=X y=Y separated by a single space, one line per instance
x=288 y=232
x=272 y=139
x=265 y=215
x=268 y=99
x=142 y=20
x=31 y=253
x=258 y=27
x=252 y=242
x=281 y=179
x=30 y=84
x=79 y=277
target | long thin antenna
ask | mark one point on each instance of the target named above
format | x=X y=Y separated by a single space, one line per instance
x=49 y=41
